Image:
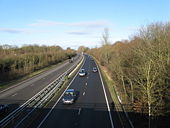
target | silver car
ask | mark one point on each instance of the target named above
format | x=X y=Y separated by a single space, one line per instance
x=82 y=72
x=94 y=69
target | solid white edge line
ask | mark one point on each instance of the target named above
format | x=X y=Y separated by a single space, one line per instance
x=79 y=111
x=59 y=99
x=108 y=108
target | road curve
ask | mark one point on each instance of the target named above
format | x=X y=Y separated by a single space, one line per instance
x=91 y=108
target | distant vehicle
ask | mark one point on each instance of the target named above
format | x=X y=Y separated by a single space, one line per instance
x=71 y=60
x=94 y=69
x=3 y=109
x=82 y=72
x=91 y=58
x=69 y=96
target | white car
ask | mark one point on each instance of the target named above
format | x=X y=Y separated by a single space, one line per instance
x=94 y=69
x=82 y=72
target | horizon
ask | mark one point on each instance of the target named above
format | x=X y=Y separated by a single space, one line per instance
x=74 y=23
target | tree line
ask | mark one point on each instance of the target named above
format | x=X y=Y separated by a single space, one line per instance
x=140 y=68
x=17 y=62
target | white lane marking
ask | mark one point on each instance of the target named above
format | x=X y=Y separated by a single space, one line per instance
x=87 y=77
x=59 y=99
x=79 y=111
x=84 y=93
x=86 y=83
x=14 y=94
x=108 y=108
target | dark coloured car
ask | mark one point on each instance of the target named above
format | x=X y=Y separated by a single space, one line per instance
x=94 y=69
x=3 y=109
x=69 y=96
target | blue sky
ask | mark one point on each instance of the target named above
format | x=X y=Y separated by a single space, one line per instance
x=71 y=23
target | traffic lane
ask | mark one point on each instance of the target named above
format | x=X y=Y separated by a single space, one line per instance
x=92 y=103
x=30 y=88
x=115 y=117
x=82 y=113
x=94 y=110
x=65 y=116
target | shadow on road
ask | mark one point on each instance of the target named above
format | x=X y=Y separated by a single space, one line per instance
x=84 y=115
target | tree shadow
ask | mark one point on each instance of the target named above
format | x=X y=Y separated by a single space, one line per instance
x=82 y=114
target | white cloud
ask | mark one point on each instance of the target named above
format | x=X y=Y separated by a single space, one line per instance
x=46 y=23
x=17 y=30
x=78 y=32
x=12 y=30
x=93 y=24
x=90 y=24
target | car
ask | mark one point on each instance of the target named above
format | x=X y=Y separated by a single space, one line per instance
x=3 y=109
x=91 y=58
x=69 y=96
x=94 y=69
x=71 y=60
x=82 y=72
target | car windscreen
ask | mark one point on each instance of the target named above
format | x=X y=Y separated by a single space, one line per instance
x=82 y=71
x=69 y=93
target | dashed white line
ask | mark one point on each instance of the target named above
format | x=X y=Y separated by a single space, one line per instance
x=14 y=94
x=84 y=93
x=79 y=111
x=86 y=83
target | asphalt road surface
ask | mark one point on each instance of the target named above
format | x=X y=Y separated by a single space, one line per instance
x=23 y=91
x=90 y=109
